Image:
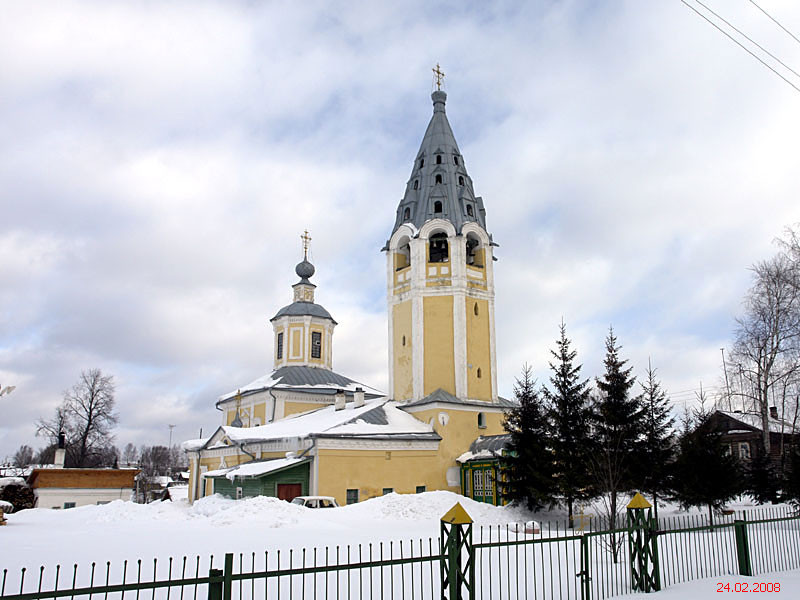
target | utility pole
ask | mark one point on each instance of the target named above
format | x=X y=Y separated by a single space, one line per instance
x=169 y=448
x=727 y=386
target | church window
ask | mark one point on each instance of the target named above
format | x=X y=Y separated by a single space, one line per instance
x=469 y=210
x=404 y=340
x=475 y=309
x=421 y=162
x=438 y=248
x=279 y=344
x=437 y=207
x=316 y=344
x=406 y=214
x=416 y=184
x=438 y=159
x=387 y=491
x=479 y=373
x=455 y=160
x=352 y=496
x=460 y=180
x=481 y=420
x=438 y=179
x=420 y=489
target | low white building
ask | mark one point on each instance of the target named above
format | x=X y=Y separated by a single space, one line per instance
x=69 y=488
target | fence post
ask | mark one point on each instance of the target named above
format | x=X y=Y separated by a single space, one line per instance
x=742 y=547
x=456 y=534
x=226 y=577
x=643 y=546
x=585 y=588
x=215 y=587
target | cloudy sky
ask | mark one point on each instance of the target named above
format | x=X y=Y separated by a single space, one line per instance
x=158 y=162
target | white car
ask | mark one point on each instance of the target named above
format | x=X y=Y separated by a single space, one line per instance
x=316 y=501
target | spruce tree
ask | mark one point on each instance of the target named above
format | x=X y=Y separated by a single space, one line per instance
x=570 y=414
x=760 y=477
x=528 y=464
x=618 y=430
x=658 y=448
x=706 y=474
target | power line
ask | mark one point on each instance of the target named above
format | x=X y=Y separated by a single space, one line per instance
x=749 y=39
x=774 y=20
x=742 y=46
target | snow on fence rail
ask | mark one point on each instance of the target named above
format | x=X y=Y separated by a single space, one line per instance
x=507 y=562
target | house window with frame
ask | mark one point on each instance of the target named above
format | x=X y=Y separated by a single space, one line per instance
x=69 y=505
x=481 y=420
x=279 y=346
x=239 y=493
x=744 y=451
x=352 y=496
x=316 y=344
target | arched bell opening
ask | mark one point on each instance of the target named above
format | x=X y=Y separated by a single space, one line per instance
x=438 y=248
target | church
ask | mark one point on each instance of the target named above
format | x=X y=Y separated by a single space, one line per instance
x=304 y=429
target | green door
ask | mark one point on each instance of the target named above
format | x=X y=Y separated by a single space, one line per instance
x=483 y=485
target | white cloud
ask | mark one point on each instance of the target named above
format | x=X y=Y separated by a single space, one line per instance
x=160 y=161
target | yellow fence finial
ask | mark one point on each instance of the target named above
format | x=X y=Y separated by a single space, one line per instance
x=457 y=515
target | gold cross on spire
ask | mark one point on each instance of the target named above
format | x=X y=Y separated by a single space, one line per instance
x=306 y=243
x=439 y=74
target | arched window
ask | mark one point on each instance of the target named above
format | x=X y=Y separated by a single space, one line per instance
x=416 y=184
x=406 y=214
x=455 y=160
x=438 y=159
x=421 y=162
x=404 y=340
x=437 y=207
x=460 y=180
x=481 y=420
x=475 y=309
x=469 y=210
x=438 y=179
x=438 y=248
x=479 y=373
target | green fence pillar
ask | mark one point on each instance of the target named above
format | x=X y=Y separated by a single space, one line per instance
x=215 y=587
x=585 y=574
x=742 y=547
x=643 y=546
x=456 y=537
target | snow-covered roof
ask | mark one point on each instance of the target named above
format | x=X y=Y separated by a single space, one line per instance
x=485 y=447
x=256 y=468
x=754 y=420
x=193 y=445
x=299 y=378
x=443 y=397
x=377 y=417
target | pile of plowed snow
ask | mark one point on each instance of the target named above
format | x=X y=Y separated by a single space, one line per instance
x=271 y=512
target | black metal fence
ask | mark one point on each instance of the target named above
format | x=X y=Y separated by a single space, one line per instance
x=508 y=562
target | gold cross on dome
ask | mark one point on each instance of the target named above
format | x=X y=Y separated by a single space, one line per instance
x=439 y=74
x=306 y=243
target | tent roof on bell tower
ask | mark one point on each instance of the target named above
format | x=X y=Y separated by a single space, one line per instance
x=439 y=186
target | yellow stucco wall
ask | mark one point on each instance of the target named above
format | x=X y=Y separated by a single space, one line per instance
x=402 y=367
x=478 y=350
x=295 y=335
x=369 y=471
x=260 y=412
x=460 y=431
x=292 y=408
x=438 y=344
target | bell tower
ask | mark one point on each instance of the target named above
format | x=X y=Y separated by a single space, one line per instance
x=440 y=283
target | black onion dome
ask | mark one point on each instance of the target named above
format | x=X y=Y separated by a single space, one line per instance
x=304 y=269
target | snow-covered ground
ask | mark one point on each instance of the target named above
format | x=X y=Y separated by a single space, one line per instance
x=215 y=525
x=122 y=531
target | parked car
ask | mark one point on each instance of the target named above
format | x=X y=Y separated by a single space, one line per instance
x=316 y=501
